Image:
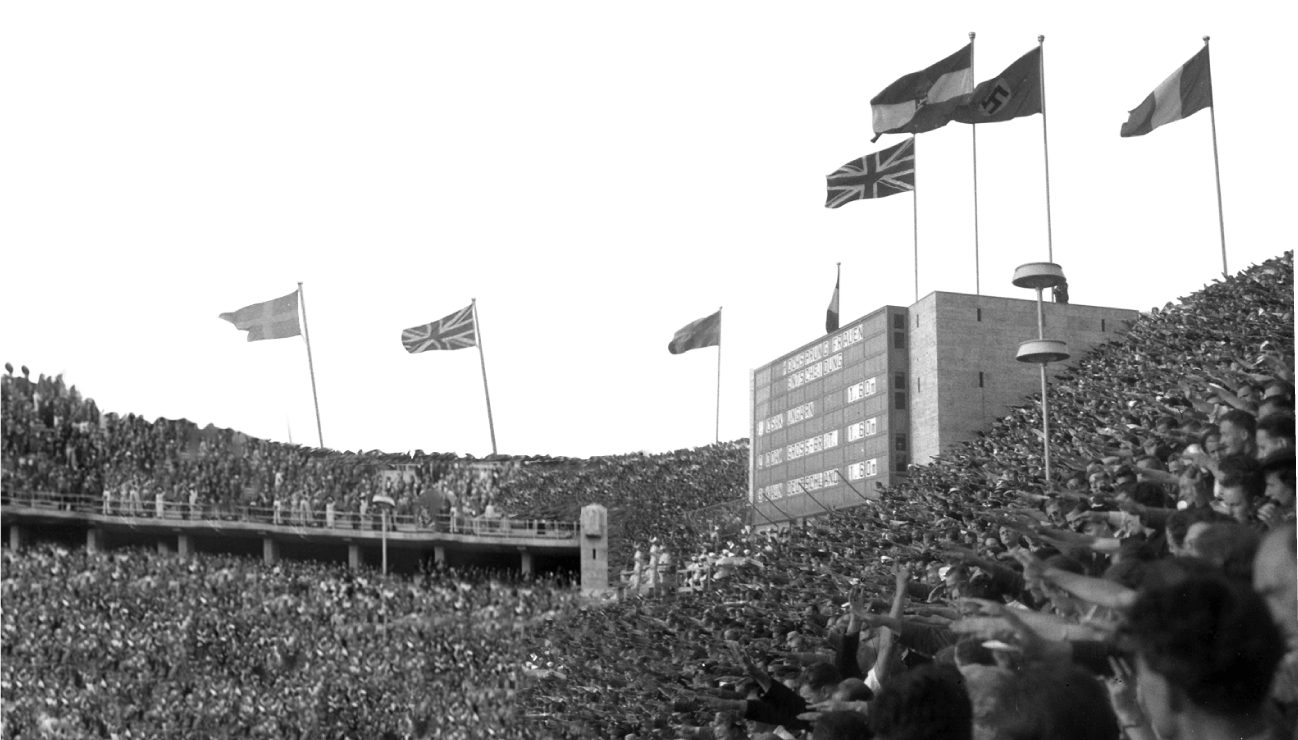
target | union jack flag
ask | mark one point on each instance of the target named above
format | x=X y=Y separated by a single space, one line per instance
x=876 y=175
x=457 y=331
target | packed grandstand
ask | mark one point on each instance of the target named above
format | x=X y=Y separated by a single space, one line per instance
x=972 y=600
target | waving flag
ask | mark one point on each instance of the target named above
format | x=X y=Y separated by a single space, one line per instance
x=831 y=315
x=705 y=332
x=457 y=331
x=1187 y=91
x=877 y=175
x=275 y=319
x=922 y=101
x=1015 y=93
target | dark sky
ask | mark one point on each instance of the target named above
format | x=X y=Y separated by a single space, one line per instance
x=591 y=222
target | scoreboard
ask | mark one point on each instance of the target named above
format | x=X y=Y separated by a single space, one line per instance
x=828 y=422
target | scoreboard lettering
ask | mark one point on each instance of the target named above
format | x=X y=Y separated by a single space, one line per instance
x=818 y=412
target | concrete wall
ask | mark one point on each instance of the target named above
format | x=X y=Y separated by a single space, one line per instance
x=953 y=344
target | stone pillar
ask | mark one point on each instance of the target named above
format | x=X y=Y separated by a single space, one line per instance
x=163 y=547
x=269 y=550
x=593 y=543
x=525 y=564
x=439 y=554
x=16 y=537
x=94 y=539
x=354 y=557
x=185 y=546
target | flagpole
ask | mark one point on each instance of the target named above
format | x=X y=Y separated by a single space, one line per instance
x=1045 y=142
x=914 y=201
x=306 y=334
x=1221 y=218
x=477 y=330
x=974 y=130
x=718 y=432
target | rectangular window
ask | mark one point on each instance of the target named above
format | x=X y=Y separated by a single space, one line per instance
x=901 y=443
x=899 y=380
x=1101 y=324
x=901 y=401
x=901 y=463
x=980 y=314
x=916 y=321
x=899 y=340
x=980 y=378
x=919 y=384
x=898 y=321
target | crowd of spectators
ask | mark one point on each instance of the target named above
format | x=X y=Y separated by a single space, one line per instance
x=130 y=644
x=58 y=449
x=974 y=599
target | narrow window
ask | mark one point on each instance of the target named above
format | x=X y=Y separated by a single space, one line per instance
x=899 y=340
x=1101 y=324
x=980 y=314
x=901 y=401
x=980 y=378
x=898 y=321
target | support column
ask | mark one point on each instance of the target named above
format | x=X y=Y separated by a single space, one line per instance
x=439 y=554
x=594 y=550
x=16 y=537
x=525 y=564
x=269 y=550
x=354 y=557
x=163 y=547
x=94 y=540
x=185 y=546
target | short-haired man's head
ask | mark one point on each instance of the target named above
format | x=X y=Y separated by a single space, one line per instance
x=1278 y=474
x=1240 y=484
x=819 y=681
x=1275 y=404
x=924 y=703
x=1274 y=432
x=1211 y=640
x=1237 y=430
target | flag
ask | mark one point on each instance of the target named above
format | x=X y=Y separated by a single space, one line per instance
x=831 y=316
x=877 y=175
x=1015 y=93
x=1187 y=91
x=922 y=101
x=275 y=319
x=706 y=332
x=457 y=331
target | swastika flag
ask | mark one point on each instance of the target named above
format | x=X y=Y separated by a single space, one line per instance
x=1014 y=93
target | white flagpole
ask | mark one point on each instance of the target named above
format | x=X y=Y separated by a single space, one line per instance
x=477 y=330
x=1221 y=218
x=973 y=128
x=718 y=431
x=1045 y=142
x=915 y=211
x=306 y=334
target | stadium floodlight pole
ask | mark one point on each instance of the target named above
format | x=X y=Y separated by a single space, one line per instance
x=306 y=334
x=914 y=202
x=477 y=329
x=849 y=485
x=1221 y=218
x=813 y=498
x=718 y=430
x=1045 y=144
x=974 y=130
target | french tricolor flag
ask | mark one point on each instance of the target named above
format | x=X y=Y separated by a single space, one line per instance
x=1187 y=91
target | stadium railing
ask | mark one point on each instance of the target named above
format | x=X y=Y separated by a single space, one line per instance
x=162 y=509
